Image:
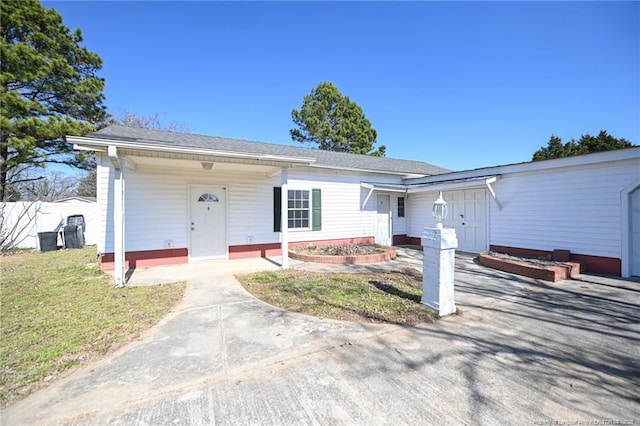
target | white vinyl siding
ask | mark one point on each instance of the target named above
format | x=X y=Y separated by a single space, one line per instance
x=156 y=207
x=342 y=198
x=419 y=213
x=574 y=208
x=577 y=208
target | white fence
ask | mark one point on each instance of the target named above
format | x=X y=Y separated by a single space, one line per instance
x=26 y=218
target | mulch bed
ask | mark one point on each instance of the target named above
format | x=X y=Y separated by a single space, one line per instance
x=343 y=250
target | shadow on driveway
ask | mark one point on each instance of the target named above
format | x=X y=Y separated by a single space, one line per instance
x=522 y=351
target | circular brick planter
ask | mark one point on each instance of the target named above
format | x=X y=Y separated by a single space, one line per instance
x=345 y=260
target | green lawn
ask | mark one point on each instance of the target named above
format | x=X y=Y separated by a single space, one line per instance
x=392 y=297
x=59 y=310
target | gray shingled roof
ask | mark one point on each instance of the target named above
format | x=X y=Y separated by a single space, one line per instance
x=323 y=158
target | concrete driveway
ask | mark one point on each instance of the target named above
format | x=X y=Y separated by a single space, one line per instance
x=522 y=352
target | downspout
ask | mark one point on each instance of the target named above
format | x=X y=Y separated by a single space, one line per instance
x=118 y=216
x=284 y=226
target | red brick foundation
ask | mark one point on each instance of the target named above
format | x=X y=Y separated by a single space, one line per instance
x=549 y=273
x=597 y=264
x=174 y=256
x=404 y=240
x=254 y=250
x=139 y=259
x=273 y=249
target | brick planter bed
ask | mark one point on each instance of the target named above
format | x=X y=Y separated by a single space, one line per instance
x=345 y=260
x=553 y=273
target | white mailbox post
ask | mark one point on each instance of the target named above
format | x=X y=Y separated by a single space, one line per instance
x=439 y=245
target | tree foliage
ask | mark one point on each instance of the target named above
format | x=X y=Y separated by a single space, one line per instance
x=330 y=120
x=585 y=145
x=53 y=186
x=87 y=184
x=49 y=88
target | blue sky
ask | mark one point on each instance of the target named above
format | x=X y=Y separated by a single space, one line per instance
x=457 y=84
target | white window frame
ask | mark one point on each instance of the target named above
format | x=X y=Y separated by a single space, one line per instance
x=404 y=206
x=308 y=209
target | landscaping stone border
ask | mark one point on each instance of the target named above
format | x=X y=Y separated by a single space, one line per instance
x=553 y=273
x=345 y=260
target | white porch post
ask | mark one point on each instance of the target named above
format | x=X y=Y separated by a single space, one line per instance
x=284 y=215
x=118 y=227
x=118 y=217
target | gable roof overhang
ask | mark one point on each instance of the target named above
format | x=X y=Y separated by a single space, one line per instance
x=238 y=149
x=133 y=149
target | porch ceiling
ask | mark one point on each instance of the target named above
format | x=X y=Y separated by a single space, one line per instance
x=219 y=164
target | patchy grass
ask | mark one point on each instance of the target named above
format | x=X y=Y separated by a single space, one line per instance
x=60 y=311
x=391 y=297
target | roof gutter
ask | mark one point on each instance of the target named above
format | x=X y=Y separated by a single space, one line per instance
x=404 y=175
x=84 y=143
x=93 y=144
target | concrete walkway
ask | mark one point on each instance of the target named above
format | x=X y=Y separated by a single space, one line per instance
x=521 y=352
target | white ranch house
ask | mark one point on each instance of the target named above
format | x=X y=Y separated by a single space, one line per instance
x=168 y=197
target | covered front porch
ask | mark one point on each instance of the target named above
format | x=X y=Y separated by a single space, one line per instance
x=167 y=205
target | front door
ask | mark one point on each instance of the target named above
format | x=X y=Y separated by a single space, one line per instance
x=383 y=224
x=467 y=215
x=207 y=223
x=635 y=233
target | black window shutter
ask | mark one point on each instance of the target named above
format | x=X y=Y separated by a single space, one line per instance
x=317 y=210
x=277 y=209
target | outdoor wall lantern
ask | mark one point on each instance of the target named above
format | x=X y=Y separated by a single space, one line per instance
x=206 y=165
x=439 y=210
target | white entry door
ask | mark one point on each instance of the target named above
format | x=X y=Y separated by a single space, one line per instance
x=207 y=223
x=383 y=223
x=635 y=233
x=467 y=215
